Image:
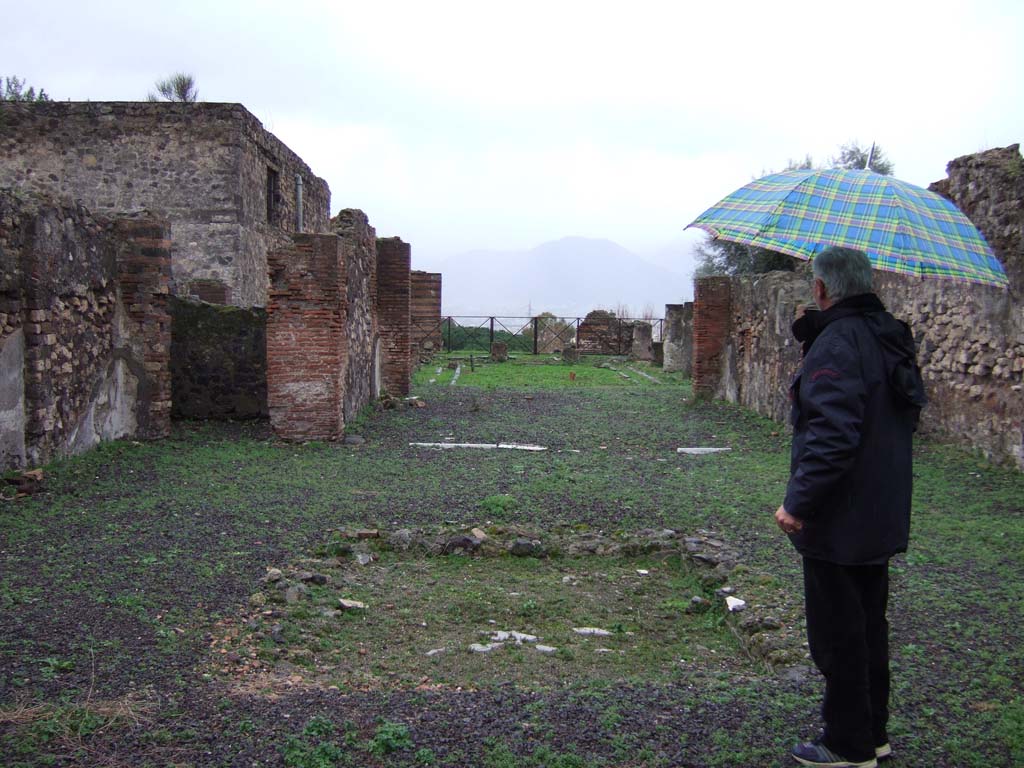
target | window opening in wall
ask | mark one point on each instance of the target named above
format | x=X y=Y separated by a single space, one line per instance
x=273 y=196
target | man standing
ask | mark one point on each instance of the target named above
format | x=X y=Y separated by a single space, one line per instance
x=856 y=400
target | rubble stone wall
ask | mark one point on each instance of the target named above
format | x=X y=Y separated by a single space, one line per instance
x=989 y=188
x=970 y=337
x=393 y=296
x=205 y=167
x=84 y=329
x=970 y=348
x=602 y=333
x=363 y=365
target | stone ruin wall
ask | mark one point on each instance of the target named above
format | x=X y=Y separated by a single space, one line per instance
x=307 y=338
x=207 y=168
x=326 y=348
x=261 y=152
x=712 y=323
x=971 y=350
x=203 y=166
x=970 y=337
x=642 y=343
x=602 y=333
x=425 y=315
x=989 y=188
x=393 y=293
x=218 y=361
x=363 y=364
x=84 y=329
x=678 y=341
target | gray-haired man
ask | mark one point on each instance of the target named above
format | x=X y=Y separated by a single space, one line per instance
x=856 y=399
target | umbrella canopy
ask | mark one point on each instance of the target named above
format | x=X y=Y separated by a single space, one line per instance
x=901 y=227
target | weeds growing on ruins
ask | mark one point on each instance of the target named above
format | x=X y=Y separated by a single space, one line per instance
x=135 y=594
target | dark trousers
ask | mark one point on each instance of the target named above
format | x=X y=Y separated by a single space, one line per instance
x=849 y=638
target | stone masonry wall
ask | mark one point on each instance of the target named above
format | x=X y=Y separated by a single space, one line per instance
x=760 y=355
x=989 y=188
x=425 y=313
x=264 y=228
x=970 y=337
x=307 y=338
x=678 y=343
x=203 y=166
x=84 y=329
x=218 y=361
x=393 y=295
x=359 y=252
x=602 y=333
x=970 y=349
x=641 y=346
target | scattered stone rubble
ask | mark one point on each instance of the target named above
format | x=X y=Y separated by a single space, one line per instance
x=765 y=617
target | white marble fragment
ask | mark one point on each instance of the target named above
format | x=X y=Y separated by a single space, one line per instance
x=480 y=648
x=591 y=631
x=734 y=604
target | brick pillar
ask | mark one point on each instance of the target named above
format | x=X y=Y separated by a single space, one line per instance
x=711 y=327
x=307 y=345
x=144 y=276
x=393 y=296
x=425 y=312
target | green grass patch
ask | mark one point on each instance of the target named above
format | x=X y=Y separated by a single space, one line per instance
x=541 y=372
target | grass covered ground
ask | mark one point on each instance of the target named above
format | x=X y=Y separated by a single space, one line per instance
x=126 y=591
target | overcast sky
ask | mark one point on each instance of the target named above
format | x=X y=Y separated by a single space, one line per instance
x=485 y=125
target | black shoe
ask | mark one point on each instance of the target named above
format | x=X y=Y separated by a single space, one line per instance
x=816 y=753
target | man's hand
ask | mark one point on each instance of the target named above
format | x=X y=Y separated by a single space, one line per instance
x=786 y=521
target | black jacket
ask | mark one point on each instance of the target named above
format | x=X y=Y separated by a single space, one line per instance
x=856 y=399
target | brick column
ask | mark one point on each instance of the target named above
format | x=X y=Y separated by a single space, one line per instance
x=307 y=338
x=711 y=327
x=393 y=296
x=425 y=312
x=144 y=276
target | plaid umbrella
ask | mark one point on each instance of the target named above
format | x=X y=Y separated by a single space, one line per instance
x=901 y=227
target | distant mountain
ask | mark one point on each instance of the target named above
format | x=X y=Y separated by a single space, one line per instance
x=567 y=277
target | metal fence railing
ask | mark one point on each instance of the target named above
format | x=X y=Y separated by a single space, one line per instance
x=539 y=335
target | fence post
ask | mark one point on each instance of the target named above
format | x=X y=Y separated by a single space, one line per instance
x=535 y=325
x=449 y=320
x=492 y=330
